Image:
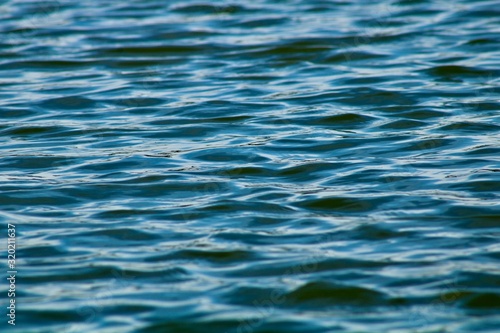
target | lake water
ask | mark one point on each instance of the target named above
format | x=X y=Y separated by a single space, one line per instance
x=251 y=166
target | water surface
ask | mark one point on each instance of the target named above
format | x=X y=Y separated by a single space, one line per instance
x=259 y=166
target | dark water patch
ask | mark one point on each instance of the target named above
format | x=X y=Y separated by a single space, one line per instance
x=479 y=186
x=42 y=251
x=475 y=217
x=68 y=103
x=221 y=155
x=343 y=120
x=429 y=144
x=139 y=102
x=452 y=71
x=170 y=189
x=328 y=294
x=339 y=146
x=16 y=113
x=189 y=326
x=421 y=114
x=141 y=179
x=482 y=301
x=216 y=257
x=32 y=131
x=374 y=232
x=209 y=9
x=342 y=205
x=155 y=51
x=89 y=274
x=470 y=127
x=264 y=22
x=279 y=166
x=305 y=171
x=257 y=325
x=124 y=234
x=184 y=121
x=121 y=214
x=53 y=317
x=245 y=172
x=370 y=96
x=240 y=207
x=481 y=41
x=250 y=296
x=29 y=198
x=403 y=124
x=264 y=239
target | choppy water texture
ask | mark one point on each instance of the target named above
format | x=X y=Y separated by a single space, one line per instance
x=259 y=166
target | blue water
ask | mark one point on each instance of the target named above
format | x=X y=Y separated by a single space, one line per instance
x=251 y=167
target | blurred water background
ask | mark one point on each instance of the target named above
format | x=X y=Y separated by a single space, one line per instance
x=251 y=166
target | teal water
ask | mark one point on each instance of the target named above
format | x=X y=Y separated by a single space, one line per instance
x=260 y=166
